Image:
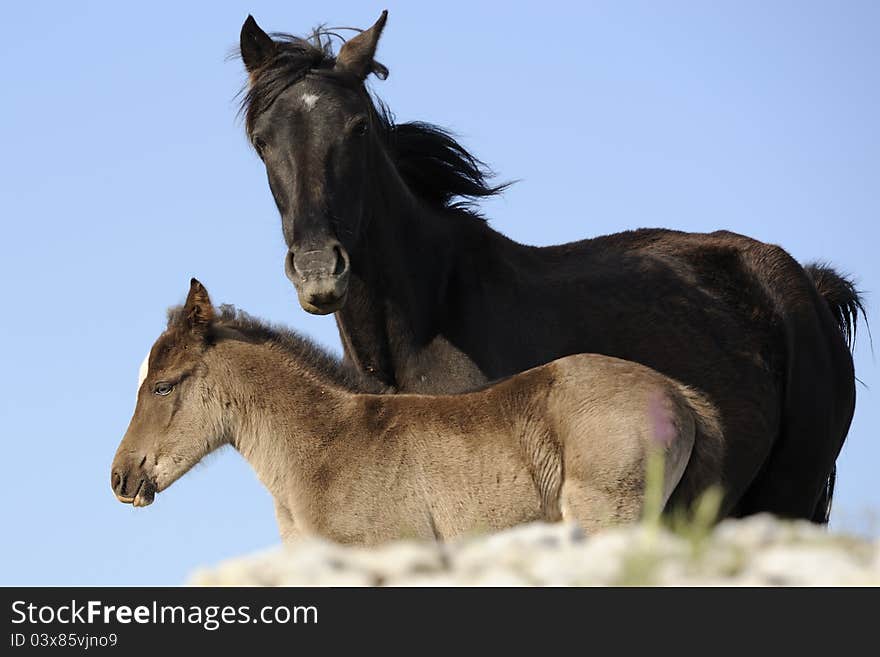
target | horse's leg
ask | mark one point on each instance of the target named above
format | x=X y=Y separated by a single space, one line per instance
x=818 y=408
x=823 y=508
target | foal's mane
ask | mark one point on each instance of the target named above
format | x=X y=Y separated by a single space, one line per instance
x=232 y=323
x=304 y=351
x=435 y=167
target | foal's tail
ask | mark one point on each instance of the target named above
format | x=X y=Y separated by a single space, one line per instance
x=845 y=303
x=704 y=466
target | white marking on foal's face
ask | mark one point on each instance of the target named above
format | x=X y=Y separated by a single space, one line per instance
x=143 y=370
x=309 y=100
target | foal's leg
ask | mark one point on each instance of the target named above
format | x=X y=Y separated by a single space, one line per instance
x=286 y=525
x=609 y=488
x=598 y=504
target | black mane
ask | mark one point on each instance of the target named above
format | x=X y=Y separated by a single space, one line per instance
x=435 y=167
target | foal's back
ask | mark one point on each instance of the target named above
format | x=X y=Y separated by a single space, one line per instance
x=428 y=466
x=567 y=440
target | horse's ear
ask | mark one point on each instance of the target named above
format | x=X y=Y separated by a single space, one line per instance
x=198 y=311
x=356 y=54
x=255 y=45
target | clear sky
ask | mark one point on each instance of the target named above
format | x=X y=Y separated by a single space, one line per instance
x=125 y=171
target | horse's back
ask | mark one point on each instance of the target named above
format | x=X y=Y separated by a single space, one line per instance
x=804 y=365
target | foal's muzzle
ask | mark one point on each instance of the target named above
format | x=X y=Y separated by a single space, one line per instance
x=320 y=277
x=132 y=485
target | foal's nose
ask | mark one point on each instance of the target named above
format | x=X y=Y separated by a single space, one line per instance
x=118 y=481
x=125 y=481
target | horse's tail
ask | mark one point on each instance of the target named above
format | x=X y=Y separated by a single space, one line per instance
x=843 y=299
x=704 y=466
x=845 y=303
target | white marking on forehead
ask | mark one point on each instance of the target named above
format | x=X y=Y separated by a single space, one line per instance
x=309 y=100
x=143 y=370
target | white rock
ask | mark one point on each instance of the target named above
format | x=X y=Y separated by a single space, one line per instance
x=806 y=566
x=761 y=550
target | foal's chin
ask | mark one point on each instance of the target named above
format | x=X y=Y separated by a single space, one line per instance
x=144 y=496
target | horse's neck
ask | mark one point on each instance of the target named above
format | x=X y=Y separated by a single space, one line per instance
x=391 y=324
x=408 y=256
x=279 y=415
x=364 y=331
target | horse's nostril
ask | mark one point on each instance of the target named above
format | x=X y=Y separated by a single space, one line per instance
x=115 y=481
x=316 y=264
x=290 y=265
x=341 y=261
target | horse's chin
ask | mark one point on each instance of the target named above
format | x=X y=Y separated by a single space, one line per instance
x=322 y=295
x=323 y=307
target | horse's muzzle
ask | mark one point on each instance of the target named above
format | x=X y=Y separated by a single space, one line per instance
x=320 y=276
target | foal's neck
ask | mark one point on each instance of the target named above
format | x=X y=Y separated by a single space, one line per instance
x=279 y=413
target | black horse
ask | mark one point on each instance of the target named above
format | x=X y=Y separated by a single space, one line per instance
x=428 y=297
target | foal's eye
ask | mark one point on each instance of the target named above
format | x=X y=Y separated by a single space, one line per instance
x=163 y=388
x=259 y=146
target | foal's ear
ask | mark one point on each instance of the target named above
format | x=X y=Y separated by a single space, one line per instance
x=356 y=54
x=198 y=311
x=255 y=45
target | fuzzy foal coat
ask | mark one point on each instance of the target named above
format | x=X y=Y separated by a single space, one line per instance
x=568 y=440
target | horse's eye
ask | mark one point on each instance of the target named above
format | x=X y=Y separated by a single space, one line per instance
x=259 y=146
x=163 y=388
x=360 y=128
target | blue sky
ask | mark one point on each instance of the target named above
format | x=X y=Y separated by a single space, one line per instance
x=125 y=171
